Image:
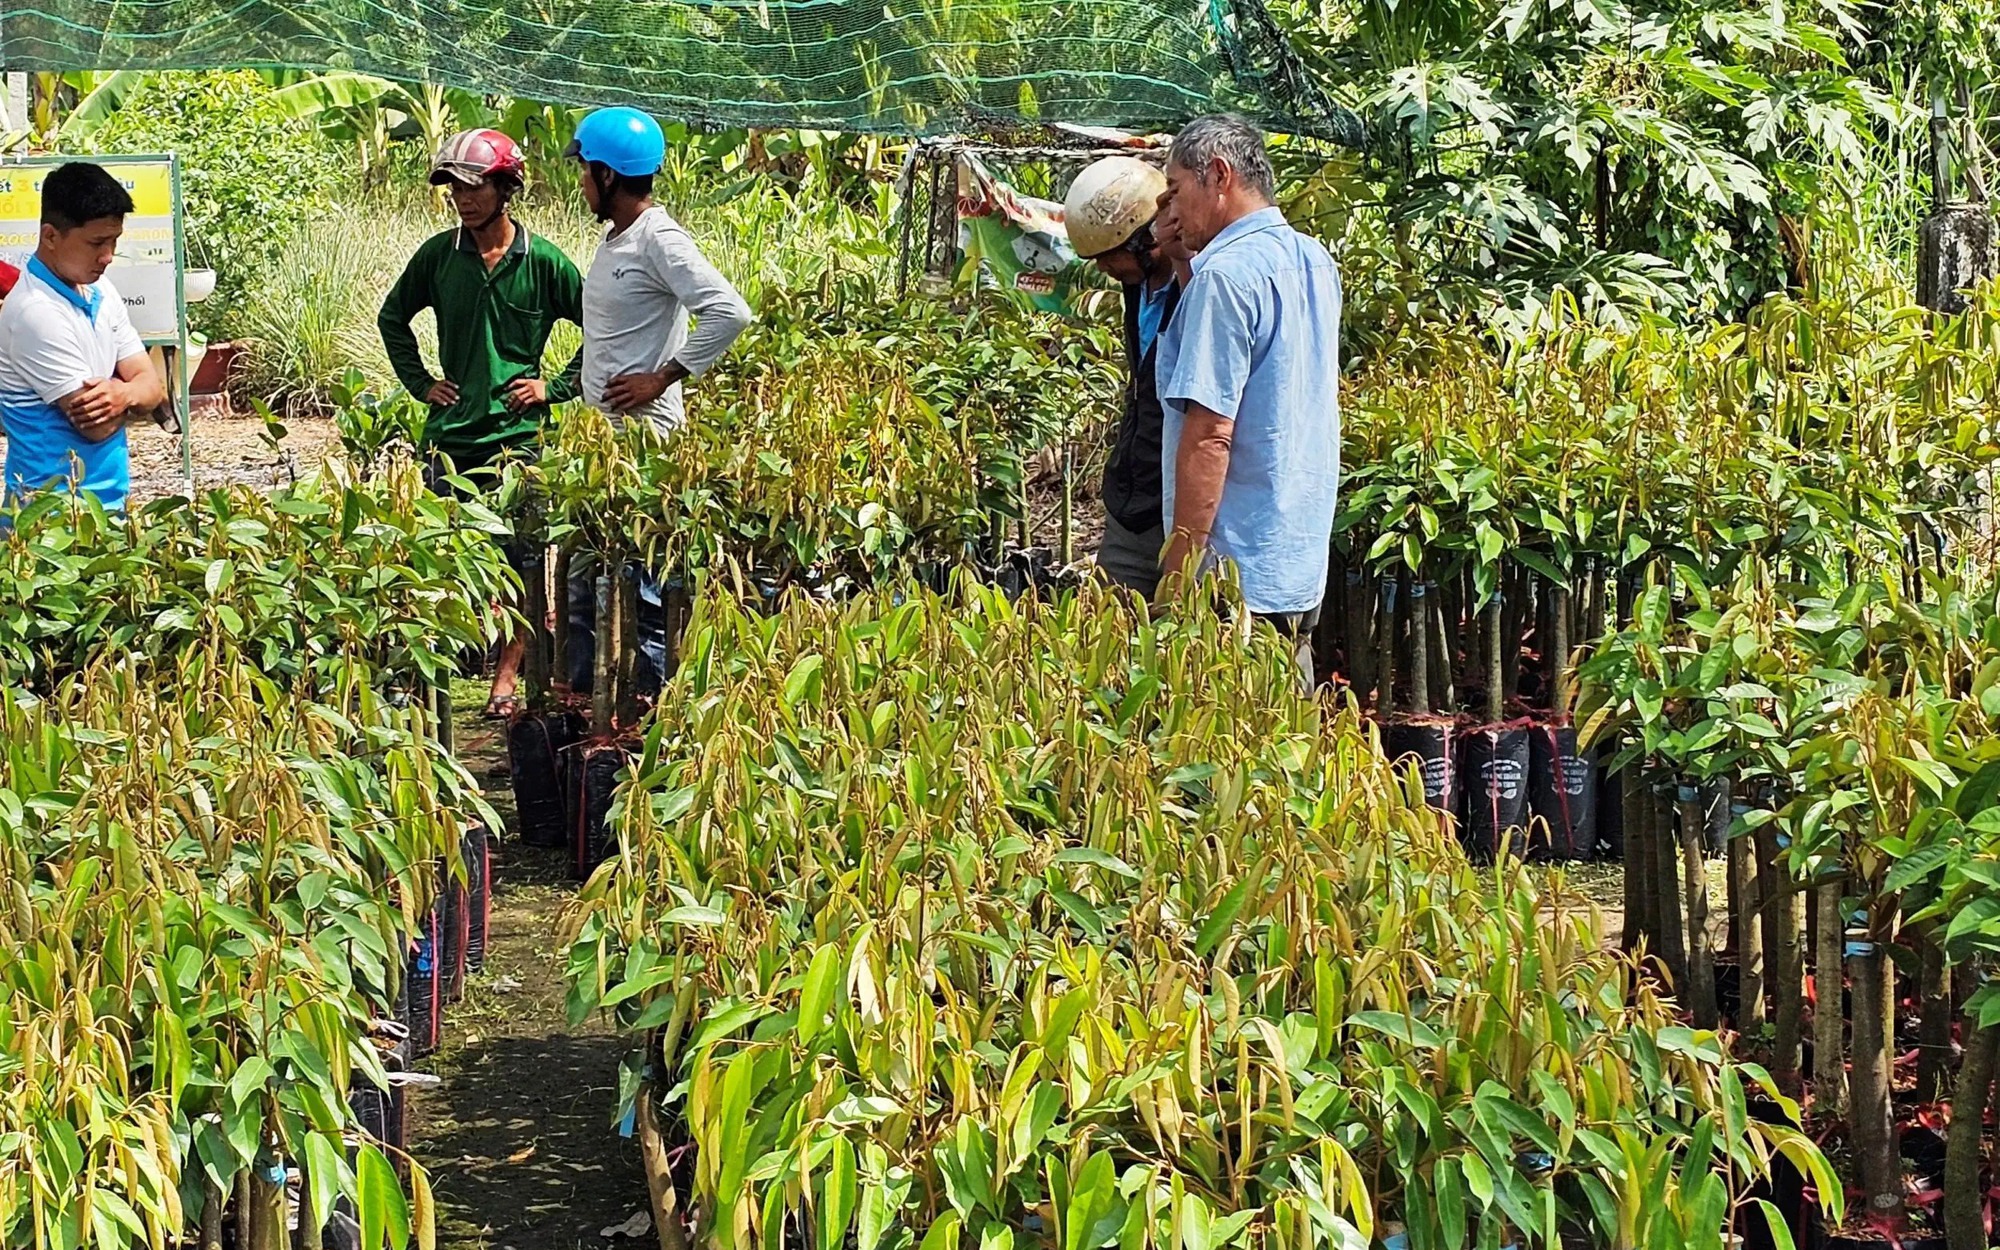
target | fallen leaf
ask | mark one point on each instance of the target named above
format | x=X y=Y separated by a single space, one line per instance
x=638 y=1226
x=521 y=1156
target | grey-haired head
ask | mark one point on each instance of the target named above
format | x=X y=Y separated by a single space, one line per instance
x=1231 y=140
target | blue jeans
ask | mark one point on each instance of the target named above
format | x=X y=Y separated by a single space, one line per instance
x=583 y=625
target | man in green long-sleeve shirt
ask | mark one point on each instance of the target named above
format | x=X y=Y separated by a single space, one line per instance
x=497 y=292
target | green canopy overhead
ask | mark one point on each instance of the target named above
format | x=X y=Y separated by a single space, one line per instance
x=902 y=66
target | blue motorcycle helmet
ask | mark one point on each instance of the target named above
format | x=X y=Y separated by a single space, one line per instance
x=623 y=140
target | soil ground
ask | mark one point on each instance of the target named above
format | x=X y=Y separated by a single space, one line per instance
x=228 y=451
x=518 y=1136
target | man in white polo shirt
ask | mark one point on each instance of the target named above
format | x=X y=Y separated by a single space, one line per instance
x=72 y=368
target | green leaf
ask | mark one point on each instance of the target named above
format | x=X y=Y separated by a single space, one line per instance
x=1402 y=1028
x=327 y=1175
x=1097 y=859
x=379 y=1201
x=806 y=680
x=944 y=1234
x=837 y=1194
x=1224 y=915
x=1781 y=1229
x=822 y=982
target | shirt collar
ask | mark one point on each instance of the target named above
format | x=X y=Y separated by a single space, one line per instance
x=1253 y=223
x=86 y=301
x=519 y=247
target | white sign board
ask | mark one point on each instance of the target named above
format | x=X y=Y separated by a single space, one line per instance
x=146 y=271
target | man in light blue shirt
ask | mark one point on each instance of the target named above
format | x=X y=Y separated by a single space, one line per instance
x=1249 y=372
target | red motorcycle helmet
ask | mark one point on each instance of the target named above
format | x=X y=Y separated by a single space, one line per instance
x=473 y=156
x=8 y=277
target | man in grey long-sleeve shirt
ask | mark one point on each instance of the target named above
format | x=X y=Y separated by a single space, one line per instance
x=646 y=280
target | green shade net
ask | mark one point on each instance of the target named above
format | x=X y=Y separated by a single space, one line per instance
x=901 y=66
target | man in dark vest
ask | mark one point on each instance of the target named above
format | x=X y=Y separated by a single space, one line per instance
x=1109 y=215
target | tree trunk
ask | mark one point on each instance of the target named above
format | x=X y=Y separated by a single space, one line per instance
x=1700 y=947
x=659 y=1176
x=604 y=661
x=1514 y=607
x=311 y=1235
x=1878 y=1163
x=212 y=1202
x=268 y=1213
x=1631 y=790
x=625 y=619
x=1745 y=911
x=1964 y=1206
x=1442 y=661
x=1496 y=695
x=1419 y=612
x=1385 y=648
x=1829 y=1045
x=1784 y=940
x=1934 y=1031
x=535 y=610
x=1559 y=641
x=1360 y=635
x=1668 y=911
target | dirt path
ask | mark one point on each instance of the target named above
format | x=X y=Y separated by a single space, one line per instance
x=518 y=1136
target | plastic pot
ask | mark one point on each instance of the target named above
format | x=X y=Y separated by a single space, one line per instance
x=1562 y=793
x=425 y=983
x=591 y=841
x=535 y=744
x=1493 y=771
x=1429 y=743
x=479 y=901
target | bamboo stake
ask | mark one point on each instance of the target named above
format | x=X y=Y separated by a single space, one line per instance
x=1829 y=1072
x=535 y=607
x=1700 y=947
x=1561 y=685
x=625 y=674
x=1068 y=542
